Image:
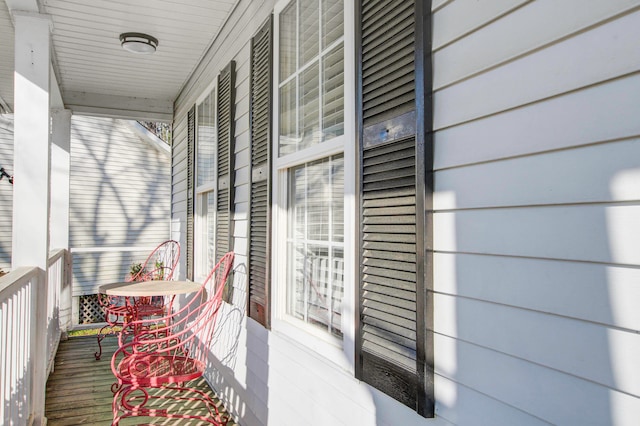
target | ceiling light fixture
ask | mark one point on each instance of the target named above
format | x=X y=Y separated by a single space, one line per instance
x=138 y=43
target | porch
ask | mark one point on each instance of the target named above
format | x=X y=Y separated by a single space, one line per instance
x=500 y=284
x=50 y=377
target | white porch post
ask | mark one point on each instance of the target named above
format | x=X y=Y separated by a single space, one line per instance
x=31 y=168
x=31 y=141
x=59 y=223
x=60 y=167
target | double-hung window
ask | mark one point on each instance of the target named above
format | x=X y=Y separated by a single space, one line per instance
x=206 y=137
x=329 y=74
x=311 y=141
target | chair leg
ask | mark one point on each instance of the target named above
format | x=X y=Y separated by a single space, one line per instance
x=101 y=335
x=130 y=401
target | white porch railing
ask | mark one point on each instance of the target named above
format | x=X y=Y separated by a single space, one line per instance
x=33 y=313
x=58 y=301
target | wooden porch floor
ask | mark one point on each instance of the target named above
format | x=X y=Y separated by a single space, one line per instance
x=79 y=388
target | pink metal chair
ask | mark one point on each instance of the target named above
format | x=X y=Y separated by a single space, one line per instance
x=153 y=368
x=159 y=265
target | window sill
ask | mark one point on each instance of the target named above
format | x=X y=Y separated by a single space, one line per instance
x=317 y=343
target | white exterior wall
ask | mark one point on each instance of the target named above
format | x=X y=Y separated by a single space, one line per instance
x=179 y=187
x=6 y=190
x=537 y=225
x=119 y=200
x=536 y=228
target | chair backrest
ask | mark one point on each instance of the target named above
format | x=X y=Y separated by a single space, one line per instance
x=201 y=319
x=160 y=264
x=186 y=331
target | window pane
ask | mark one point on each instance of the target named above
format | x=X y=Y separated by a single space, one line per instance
x=288 y=126
x=211 y=230
x=332 y=21
x=288 y=31
x=309 y=31
x=315 y=283
x=310 y=106
x=337 y=289
x=333 y=94
x=313 y=111
x=319 y=200
x=206 y=146
x=206 y=225
x=337 y=200
x=298 y=205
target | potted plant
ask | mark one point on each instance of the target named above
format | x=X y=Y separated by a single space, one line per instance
x=137 y=272
x=159 y=270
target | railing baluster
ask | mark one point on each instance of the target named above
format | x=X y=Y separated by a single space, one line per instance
x=29 y=325
x=3 y=355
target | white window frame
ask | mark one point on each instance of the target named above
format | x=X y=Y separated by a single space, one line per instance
x=339 y=351
x=200 y=248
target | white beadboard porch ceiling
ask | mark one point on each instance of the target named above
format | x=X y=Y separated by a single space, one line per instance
x=96 y=75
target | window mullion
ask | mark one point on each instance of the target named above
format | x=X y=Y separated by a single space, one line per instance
x=297 y=72
x=320 y=74
x=306 y=273
x=330 y=248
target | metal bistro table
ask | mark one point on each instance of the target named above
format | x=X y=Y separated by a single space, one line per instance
x=133 y=289
x=149 y=288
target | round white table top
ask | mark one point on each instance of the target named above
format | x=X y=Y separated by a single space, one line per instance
x=149 y=288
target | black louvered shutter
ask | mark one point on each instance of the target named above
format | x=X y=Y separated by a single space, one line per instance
x=259 y=223
x=225 y=201
x=395 y=160
x=191 y=157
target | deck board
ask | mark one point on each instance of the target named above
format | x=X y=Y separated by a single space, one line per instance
x=79 y=388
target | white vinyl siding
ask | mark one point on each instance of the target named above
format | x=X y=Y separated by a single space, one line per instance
x=119 y=200
x=6 y=191
x=179 y=188
x=536 y=228
x=7 y=56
